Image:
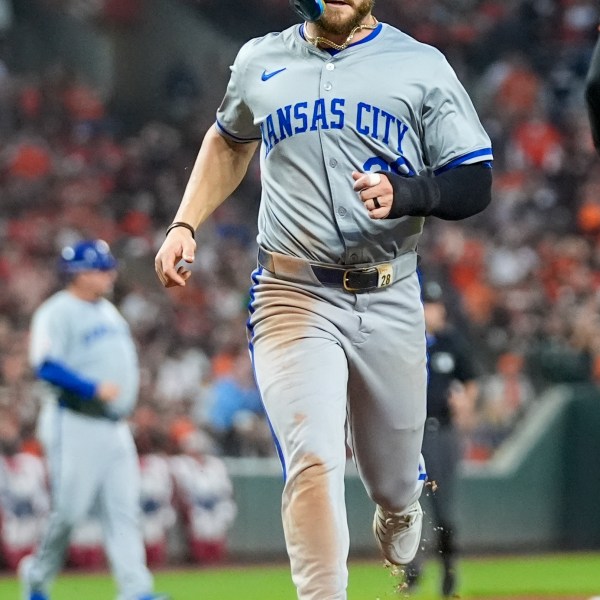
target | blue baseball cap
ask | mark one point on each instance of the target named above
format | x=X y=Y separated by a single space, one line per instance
x=87 y=255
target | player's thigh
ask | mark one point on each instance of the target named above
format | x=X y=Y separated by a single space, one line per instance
x=76 y=464
x=388 y=369
x=302 y=374
x=387 y=393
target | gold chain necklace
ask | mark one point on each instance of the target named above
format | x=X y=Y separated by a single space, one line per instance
x=315 y=41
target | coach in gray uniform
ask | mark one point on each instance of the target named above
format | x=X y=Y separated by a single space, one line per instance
x=363 y=132
x=82 y=348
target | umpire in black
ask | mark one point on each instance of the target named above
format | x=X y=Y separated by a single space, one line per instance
x=452 y=380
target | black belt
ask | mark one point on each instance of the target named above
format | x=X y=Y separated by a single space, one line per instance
x=89 y=408
x=360 y=279
x=350 y=279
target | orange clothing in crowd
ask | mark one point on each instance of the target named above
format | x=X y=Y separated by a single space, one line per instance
x=30 y=161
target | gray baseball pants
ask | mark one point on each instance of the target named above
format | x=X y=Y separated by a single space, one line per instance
x=93 y=463
x=332 y=367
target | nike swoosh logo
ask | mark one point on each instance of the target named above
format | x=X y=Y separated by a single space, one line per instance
x=266 y=75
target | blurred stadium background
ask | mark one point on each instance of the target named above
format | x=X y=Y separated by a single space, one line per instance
x=103 y=105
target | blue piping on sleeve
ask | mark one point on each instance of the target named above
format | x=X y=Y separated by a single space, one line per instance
x=485 y=154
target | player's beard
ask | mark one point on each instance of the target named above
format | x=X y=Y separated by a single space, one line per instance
x=333 y=23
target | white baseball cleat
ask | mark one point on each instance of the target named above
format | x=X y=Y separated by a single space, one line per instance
x=399 y=534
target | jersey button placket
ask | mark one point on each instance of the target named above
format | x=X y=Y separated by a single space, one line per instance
x=328 y=86
x=341 y=212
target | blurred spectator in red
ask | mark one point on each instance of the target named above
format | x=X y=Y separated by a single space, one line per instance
x=82 y=102
x=588 y=214
x=158 y=513
x=205 y=494
x=24 y=498
x=28 y=158
x=536 y=144
x=514 y=86
x=506 y=395
x=122 y=12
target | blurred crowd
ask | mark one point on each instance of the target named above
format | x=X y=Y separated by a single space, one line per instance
x=187 y=503
x=521 y=279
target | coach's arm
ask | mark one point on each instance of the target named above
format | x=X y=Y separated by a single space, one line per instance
x=219 y=169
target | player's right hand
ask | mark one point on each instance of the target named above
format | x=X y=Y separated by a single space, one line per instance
x=375 y=192
x=179 y=245
x=107 y=391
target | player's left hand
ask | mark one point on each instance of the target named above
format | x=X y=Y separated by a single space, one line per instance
x=375 y=192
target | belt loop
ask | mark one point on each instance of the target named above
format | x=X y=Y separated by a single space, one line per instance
x=265 y=259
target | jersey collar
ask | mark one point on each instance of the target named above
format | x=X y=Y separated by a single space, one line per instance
x=333 y=52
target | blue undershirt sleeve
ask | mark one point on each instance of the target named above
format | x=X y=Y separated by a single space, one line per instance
x=65 y=378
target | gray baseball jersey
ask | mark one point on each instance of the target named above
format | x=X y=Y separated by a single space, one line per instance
x=91 y=339
x=92 y=459
x=329 y=361
x=320 y=117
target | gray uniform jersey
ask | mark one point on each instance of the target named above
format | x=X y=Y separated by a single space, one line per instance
x=321 y=116
x=91 y=339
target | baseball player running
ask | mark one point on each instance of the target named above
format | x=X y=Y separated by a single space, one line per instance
x=363 y=133
x=82 y=348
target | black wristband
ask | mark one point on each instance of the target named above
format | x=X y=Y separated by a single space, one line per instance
x=413 y=196
x=181 y=224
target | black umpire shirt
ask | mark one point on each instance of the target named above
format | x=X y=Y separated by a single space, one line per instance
x=449 y=359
